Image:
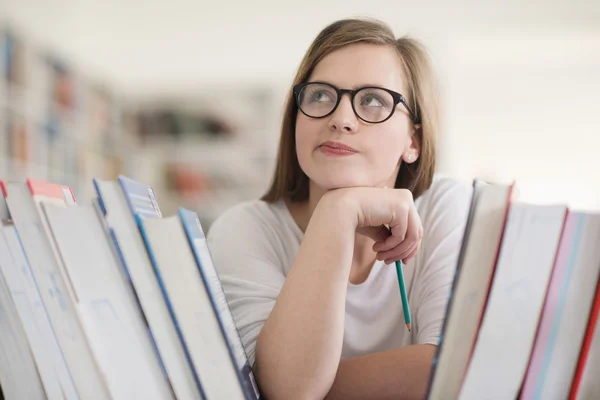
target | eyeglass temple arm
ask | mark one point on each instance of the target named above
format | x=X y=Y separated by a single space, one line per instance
x=413 y=116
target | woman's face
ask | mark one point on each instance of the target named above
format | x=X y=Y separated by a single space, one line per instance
x=376 y=149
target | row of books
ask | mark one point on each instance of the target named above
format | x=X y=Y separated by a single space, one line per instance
x=522 y=318
x=111 y=300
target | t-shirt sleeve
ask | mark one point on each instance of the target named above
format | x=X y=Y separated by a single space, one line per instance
x=249 y=268
x=445 y=219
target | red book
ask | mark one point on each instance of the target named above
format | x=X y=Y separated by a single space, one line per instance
x=592 y=327
x=51 y=190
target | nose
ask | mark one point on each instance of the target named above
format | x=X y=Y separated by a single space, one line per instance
x=343 y=118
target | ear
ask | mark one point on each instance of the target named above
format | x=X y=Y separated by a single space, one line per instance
x=413 y=150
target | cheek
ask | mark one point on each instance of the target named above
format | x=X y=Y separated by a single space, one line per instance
x=306 y=138
x=387 y=150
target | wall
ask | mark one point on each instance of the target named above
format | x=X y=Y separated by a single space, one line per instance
x=519 y=79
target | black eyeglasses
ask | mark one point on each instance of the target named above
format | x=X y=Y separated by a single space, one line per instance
x=371 y=104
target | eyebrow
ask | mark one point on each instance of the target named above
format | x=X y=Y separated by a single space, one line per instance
x=353 y=87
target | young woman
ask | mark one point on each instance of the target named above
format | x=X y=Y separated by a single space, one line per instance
x=305 y=268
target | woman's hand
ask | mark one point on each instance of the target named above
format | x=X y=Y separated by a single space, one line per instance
x=388 y=216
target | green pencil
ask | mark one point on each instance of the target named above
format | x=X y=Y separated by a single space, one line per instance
x=405 y=308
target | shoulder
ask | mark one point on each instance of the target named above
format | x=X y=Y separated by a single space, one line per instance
x=444 y=207
x=253 y=228
x=446 y=189
x=254 y=217
x=445 y=194
x=246 y=213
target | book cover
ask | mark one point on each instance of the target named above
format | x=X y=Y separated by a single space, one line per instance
x=109 y=315
x=118 y=200
x=566 y=310
x=507 y=332
x=24 y=203
x=468 y=298
x=197 y=241
x=190 y=307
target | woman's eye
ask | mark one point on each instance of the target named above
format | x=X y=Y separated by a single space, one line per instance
x=320 y=96
x=372 y=101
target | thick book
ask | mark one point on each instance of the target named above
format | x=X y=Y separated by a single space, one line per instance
x=477 y=260
x=566 y=310
x=191 y=308
x=120 y=201
x=505 y=338
x=114 y=326
x=24 y=204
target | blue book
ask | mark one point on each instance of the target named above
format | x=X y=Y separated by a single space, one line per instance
x=195 y=309
x=121 y=202
x=197 y=241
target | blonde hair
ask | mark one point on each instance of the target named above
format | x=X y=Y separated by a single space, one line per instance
x=289 y=181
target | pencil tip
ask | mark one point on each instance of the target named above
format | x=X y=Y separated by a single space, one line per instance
x=408 y=326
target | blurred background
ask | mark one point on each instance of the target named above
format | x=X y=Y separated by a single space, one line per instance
x=187 y=95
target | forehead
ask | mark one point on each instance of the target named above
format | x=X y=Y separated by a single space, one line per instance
x=362 y=64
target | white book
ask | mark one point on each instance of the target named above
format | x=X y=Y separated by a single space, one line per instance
x=191 y=307
x=8 y=376
x=24 y=206
x=32 y=315
x=566 y=310
x=114 y=326
x=18 y=372
x=505 y=339
x=474 y=273
x=210 y=277
x=130 y=245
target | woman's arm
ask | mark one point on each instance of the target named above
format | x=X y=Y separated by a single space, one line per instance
x=401 y=373
x=299 y=347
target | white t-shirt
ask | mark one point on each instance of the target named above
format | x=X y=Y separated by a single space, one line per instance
x=254 y=244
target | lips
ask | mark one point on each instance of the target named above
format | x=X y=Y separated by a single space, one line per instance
x=337 y=148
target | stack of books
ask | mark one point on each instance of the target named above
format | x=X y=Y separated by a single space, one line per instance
x=522 y=318
x=110 y=300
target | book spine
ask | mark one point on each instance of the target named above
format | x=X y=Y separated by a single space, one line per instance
x=587 y=344
x=163 y=289
x=99 y=197
x=549 y=320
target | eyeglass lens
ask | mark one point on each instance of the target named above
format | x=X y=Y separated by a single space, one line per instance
x=371 y=104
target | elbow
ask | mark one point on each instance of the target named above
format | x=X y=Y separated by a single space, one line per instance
x=282 y=391
x=279 y=379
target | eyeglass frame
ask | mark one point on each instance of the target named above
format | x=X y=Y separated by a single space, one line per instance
x=398 y=98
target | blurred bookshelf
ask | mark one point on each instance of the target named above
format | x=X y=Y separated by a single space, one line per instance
x=207 y=150
x=203 y=148
x=57 y=123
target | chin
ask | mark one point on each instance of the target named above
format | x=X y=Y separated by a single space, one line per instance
x=340 y=181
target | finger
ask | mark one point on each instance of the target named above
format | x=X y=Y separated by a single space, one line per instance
x=412 y=254
x=398 y=229
x=383 y=234
x=395 y=255
x=378 y=233
x=414 y=233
